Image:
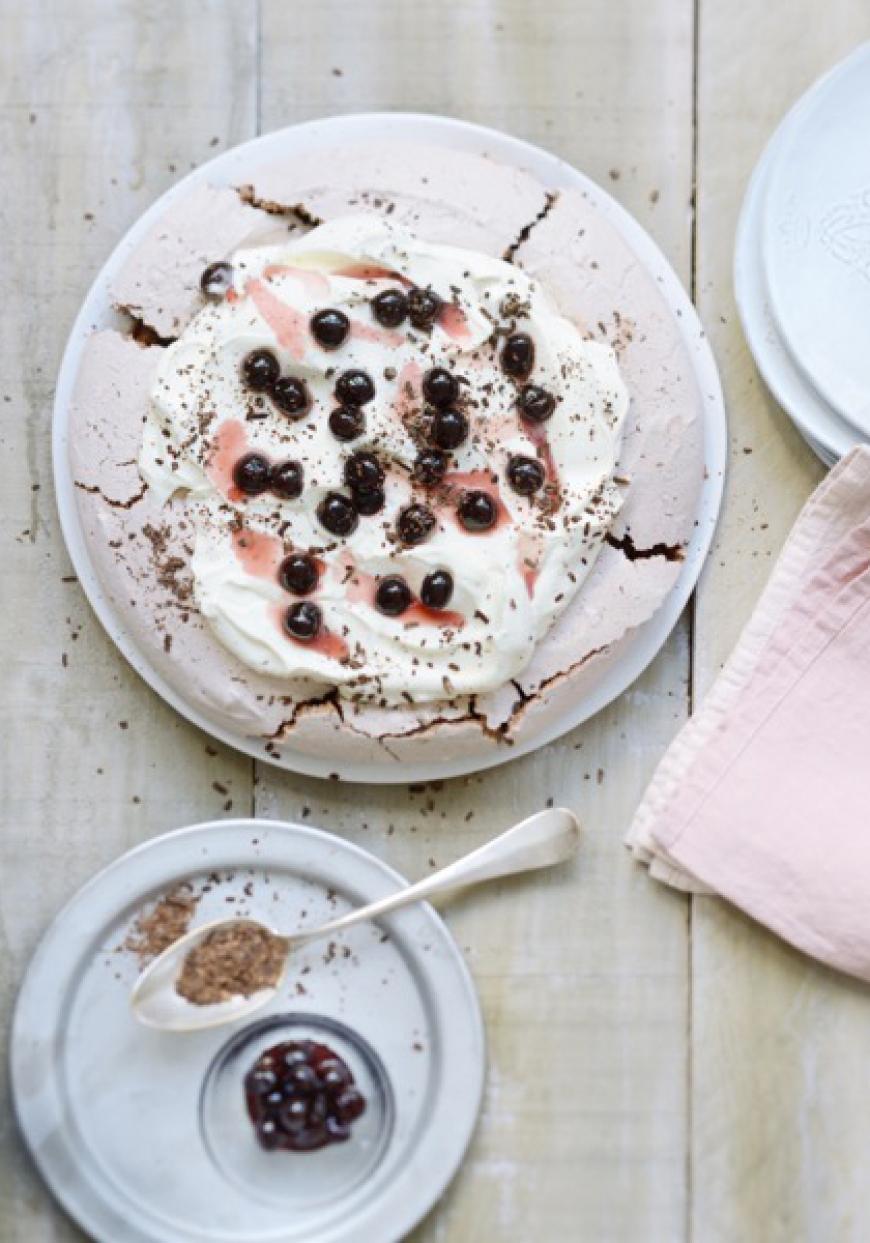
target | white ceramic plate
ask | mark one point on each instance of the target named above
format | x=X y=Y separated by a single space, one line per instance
x=234 y=167
x=143 y=1136
x=827 y=434
x=815 y=236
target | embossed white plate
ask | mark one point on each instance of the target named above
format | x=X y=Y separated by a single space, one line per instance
x=827 y=434
x=143 y=1136
x=815 y=237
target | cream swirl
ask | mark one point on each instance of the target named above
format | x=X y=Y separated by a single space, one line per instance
x=510 y=581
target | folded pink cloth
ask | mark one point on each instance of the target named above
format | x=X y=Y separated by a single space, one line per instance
x=764 y=797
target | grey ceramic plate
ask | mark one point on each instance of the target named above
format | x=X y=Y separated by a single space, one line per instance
x=143 y=1135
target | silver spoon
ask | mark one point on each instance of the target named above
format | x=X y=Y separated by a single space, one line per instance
x=541 y=840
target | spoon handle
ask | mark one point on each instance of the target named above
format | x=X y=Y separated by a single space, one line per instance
x=546 y=838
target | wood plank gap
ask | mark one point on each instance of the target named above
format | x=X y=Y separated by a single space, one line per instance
x=258 y=128
x=692 y=621
x=258 y=67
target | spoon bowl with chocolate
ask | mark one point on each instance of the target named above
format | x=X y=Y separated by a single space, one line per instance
x=226 y=969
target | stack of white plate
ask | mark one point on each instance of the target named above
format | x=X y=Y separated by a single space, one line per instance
x=802 y=262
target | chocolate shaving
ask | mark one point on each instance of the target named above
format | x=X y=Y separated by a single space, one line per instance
x=231 y=962
x=158 y=928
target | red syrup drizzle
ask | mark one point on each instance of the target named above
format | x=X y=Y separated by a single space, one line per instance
x=419 y=614
x=312 y=281
x=229 y=444
x=259 y=554
x=289 y=325
x=327 y=643
x=453 y=322
x=408 y=390
x=380 y=336
x=529 y=551
x=369 y=272
x=360 y=588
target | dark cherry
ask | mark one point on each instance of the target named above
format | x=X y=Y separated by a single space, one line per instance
x=415 y=524
x=436 y=589
x=330 y=328
x=535 y=403
x=350 y=1104
x=304 y=1077
x=335 y=1075
x=518 y=355
x=315 y=1100
x=252 y=474
x=290 y=394
x=449 y=429
x=294 y=1115
x=525 y=475
x=429 y=467
x=216 y=280
x=260 y=370
x=477 y=511
x=393 y=595
x=303 y=621
x=390 y=307
x=440 y=387
x=262 y=1082
x=337 y=514
x=363 y=470
x=318 y=1110
x=368 y=501
x=287 y=479
x=347 y=422
x=354 y=387
x=423 y=307
x=298 y=573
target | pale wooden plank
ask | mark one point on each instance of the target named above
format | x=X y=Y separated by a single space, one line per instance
x=104 y=104
x=582 y=976
x=780 y=1124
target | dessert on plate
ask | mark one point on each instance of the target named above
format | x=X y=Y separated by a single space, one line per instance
x=390 y=452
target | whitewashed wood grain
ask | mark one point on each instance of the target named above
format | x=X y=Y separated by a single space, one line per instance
x=780 y=1100
x=585 y=973
x=103 y=105
x=583 y=976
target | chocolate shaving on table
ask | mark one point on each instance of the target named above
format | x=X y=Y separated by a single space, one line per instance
x=160 y=926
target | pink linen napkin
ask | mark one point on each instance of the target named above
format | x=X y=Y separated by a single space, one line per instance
x=764 y=797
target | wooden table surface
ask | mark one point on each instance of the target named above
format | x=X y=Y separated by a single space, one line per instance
x=660 y=1068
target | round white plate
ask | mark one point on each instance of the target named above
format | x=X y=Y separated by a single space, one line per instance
x=142 y=1135
x=815 y=236
x=234 y=167
x=827 y=434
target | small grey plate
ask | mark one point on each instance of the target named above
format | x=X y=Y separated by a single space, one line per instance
x=142 y=1135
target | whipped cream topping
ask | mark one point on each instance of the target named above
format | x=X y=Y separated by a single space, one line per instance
x=510 y=581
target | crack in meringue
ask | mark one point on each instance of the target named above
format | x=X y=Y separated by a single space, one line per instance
x=626 y=545
x=551 y=198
